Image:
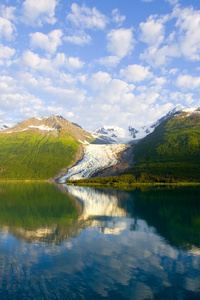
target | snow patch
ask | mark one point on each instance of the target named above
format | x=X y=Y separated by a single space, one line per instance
x=83 y=142
x=42 y=127
x=189 y=109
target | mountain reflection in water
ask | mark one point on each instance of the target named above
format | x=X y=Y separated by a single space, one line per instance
x=100 y=203
x=67 y=242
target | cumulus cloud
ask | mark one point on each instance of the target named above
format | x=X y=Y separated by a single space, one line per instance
x=19 y=103
x=188 y=22
x=84 y=17
x=99 y=80
x=160 y=49
x=160 y=56
x=48 y=42
x=136 y=73
x=120 y=42
x=188 y=82
x=185 y=99
x=39 y=12
x=7 y=12
x=117 y=18
x=80 y=38
x=183 y=42
x=5 y=55
x=7 y=29
x=112 y=91
x=152 y=31
x=33 y=61
x=15 y=99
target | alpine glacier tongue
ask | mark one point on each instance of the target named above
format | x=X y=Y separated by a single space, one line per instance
x=95 y=158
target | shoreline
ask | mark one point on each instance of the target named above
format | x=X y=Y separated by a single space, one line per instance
x=100 y=184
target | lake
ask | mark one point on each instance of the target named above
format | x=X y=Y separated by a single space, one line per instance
x=67 y=242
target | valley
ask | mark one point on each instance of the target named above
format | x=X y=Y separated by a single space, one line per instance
x=54 y=149
x=96 y=160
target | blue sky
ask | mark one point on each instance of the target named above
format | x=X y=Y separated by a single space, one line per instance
x=98 y=62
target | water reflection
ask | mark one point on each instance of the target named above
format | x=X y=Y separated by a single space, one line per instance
x=37 y=211
x=119 y=245
x=174 y=212
x=98 y=202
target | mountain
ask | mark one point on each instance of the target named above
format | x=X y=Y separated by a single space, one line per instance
x=38 y=147
x=4 y=126
x=110 y=134
x=115 y=134
x=173 y=148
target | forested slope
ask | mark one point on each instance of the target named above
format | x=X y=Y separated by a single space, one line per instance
x=173 y=149
x=37 y=149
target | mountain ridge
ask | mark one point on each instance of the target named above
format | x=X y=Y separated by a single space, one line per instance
x=38 y=148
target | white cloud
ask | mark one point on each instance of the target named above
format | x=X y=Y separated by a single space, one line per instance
x=188 y=22
x=48 y=42
x=15 y=99
x=136 y=73
x=39 y=12
x=120 y=42
x=160 y=56
x=81 y=38
x=152 y=31
x=74 y=63
x=160 y=49
x=183 y=42
x=7 y=12
x=117 y=18
x=172 y=2
x=99 y=80
x=5 y=55
x=33 y=61
x=188 y=82
x=7 y=29
x=84 y=17
x=109 y=61
x=113 y=91
x=184 y=99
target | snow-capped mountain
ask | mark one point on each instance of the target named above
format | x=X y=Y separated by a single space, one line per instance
x=115 y=134
x=4 y=126
x=111 y=134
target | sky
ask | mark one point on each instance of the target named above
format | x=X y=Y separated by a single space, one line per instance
x=98 y=62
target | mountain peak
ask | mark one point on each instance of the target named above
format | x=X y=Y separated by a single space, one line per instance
x=54 y=125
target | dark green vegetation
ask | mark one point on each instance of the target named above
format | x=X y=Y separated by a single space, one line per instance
x=172 y=150
x=125 y=180
x=35 y=205
x=31 y=155
x=173 y=211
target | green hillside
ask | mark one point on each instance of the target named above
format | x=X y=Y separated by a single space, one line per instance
x=31 y=155
x=173 y=149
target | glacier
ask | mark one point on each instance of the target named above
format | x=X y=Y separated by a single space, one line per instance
x=96 y=157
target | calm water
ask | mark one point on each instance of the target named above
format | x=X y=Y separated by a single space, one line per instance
x=59 y=242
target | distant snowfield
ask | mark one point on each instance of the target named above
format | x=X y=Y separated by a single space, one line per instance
x=95 y=158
